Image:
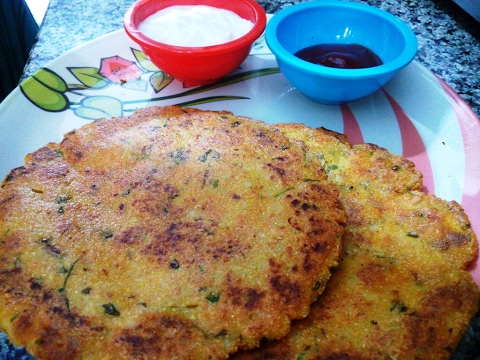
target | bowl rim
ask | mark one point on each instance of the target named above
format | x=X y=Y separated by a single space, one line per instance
x=249 y=38
x=406 y=56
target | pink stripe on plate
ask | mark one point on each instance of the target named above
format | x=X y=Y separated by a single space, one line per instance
x=470 y=128
x=350 y=126
x=413 y=146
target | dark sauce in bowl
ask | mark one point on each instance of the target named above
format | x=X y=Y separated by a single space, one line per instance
x=341 y=56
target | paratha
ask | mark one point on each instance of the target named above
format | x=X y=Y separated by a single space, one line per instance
x=401 y=290
x=171 y=233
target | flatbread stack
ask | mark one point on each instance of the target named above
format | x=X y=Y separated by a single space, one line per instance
x=186 y=234
x=401 y=290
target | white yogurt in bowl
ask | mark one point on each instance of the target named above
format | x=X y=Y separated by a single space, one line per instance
x=194 y=26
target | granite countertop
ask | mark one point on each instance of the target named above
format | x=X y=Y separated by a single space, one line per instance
x=448 y=46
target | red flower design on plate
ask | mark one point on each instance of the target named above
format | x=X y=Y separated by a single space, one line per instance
x=119 y=70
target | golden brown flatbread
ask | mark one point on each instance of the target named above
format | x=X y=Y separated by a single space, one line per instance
x=400 y=291
x=170 y=233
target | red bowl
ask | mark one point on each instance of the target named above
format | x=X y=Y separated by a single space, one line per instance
x=196 y=65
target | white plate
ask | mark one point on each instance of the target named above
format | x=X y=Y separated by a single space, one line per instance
x=415 y=115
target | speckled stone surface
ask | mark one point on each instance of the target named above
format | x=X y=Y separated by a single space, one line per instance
x=448 y=42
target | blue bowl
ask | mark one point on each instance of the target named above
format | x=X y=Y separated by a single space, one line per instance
x=337 y=22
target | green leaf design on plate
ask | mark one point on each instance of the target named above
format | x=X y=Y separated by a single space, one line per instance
x=228 y=80
x=46 y=90
x=97 y=107
x=138 y=85
x=78 y=87
x=233 y=79
x=159 y=80
x=89 y=76
x=143 y=61
x=51 y=80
